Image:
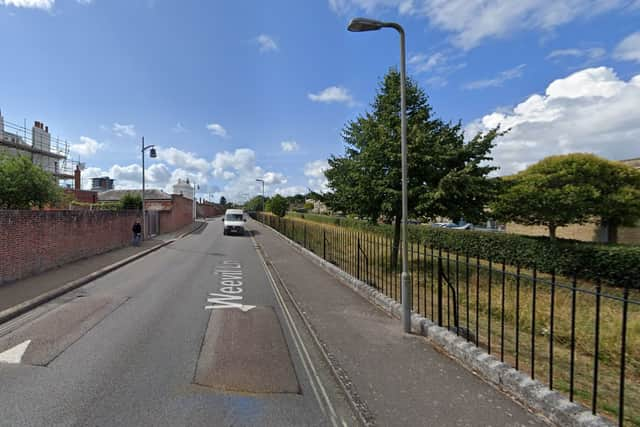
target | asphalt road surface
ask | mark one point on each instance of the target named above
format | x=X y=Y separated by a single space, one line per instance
x=193 y=334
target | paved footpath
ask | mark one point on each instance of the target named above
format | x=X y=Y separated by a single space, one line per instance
x=402 y=379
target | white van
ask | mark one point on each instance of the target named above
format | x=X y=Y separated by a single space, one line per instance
x=234 y=221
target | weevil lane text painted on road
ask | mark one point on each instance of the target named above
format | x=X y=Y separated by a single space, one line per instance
x=230 y=294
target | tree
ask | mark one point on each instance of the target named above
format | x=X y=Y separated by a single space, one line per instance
x=24 y=185
x=131 y=201
x=254 y=204
x=278 y=205
x=447 y=176
x=572 y=189
x=223 y=201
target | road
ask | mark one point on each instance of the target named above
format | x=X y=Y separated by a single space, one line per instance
x=193 y=334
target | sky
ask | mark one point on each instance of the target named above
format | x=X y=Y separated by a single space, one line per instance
x=232 y=91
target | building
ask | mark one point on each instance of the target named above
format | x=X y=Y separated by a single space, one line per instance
x=184 y=188
x=103 y=183
x=634 y=163
x=38 y=145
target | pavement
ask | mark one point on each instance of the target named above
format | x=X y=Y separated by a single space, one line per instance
x=193 y=333
x=402 y=379
x=12 y=294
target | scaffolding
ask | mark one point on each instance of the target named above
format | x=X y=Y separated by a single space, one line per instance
x=50 y=153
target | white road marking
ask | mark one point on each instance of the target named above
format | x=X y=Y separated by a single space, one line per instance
x=231 y=277
x=14 y=355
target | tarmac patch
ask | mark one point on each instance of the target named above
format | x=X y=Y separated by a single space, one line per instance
x=41 y=341
x=245 y=351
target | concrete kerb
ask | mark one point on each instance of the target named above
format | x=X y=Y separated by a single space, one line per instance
x=533 y=394
x=15 y=311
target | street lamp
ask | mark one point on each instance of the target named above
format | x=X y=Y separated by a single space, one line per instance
x=195 y=213
x=262 y=181
x=153 y=155
x=365 y=24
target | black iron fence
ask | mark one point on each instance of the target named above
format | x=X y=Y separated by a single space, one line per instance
x=577 y=337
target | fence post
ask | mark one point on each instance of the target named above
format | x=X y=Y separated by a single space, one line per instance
x=304 y=227
x=440 y=272
x=324 y=244
x=358 y=258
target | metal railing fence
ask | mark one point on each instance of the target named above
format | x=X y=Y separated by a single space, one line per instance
x=579 y=338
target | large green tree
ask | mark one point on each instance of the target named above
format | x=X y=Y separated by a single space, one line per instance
x=572 y=189
x=254 y=204
x=447 y=176
x=24 y=185
x=278 y=205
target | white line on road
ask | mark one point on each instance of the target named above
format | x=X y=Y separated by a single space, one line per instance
x=14 y=354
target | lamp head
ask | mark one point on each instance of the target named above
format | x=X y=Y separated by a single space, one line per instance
x=153 y=153
x=364 y=24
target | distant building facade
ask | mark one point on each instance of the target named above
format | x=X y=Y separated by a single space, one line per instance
x=184 y=188
x=103 y=183
x=38 y=147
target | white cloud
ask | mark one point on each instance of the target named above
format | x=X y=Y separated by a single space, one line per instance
x=470 y=22
x=242 y=159
x=267 y=44
x=85 y=2
x=314 y=171
x=124 y=130
x=274 y=178
x=289 y=146
x=290 y=191
x=592 y=110
x=217 y=129
x=183 y=159
x=629 y=48
x=332 y=94
x=422 y=63
x=503 y=76
x=591 y=54
x=87 y=147
x=240 y=171
x=31 y=4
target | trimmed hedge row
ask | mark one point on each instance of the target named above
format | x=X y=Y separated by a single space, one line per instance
x=617 y=265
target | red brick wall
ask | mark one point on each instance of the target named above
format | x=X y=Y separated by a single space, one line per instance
x=84 y=196
x=34 y=241
x=208 y=210
x=181 y=214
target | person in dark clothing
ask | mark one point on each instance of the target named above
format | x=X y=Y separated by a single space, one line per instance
x=137 y=232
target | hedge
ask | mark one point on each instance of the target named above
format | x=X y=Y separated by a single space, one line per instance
x=617 y=265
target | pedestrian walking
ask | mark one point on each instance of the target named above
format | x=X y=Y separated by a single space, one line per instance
x=137 y=232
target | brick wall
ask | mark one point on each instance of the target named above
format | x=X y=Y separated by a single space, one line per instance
x=85 y=196
x=209 y=210
x=35 y=241
x=180 y=214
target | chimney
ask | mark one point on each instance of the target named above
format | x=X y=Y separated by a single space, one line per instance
x=46 y=129
x=76 y=176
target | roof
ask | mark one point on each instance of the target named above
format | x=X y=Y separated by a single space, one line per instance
x=115 y=195
x=233 y=211
x=634 y=163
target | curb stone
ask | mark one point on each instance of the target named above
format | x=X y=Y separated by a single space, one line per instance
x=531 y=393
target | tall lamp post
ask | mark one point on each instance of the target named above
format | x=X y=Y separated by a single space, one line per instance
x=262 y=181
x=365 y=24
x=153 y=155
x=195 y=211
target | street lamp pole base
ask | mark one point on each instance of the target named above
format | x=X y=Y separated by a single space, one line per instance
x=406 y=302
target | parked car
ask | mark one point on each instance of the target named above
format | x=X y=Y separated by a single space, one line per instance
x=233 y=220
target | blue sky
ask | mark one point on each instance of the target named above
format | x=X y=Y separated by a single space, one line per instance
x=230 y=91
